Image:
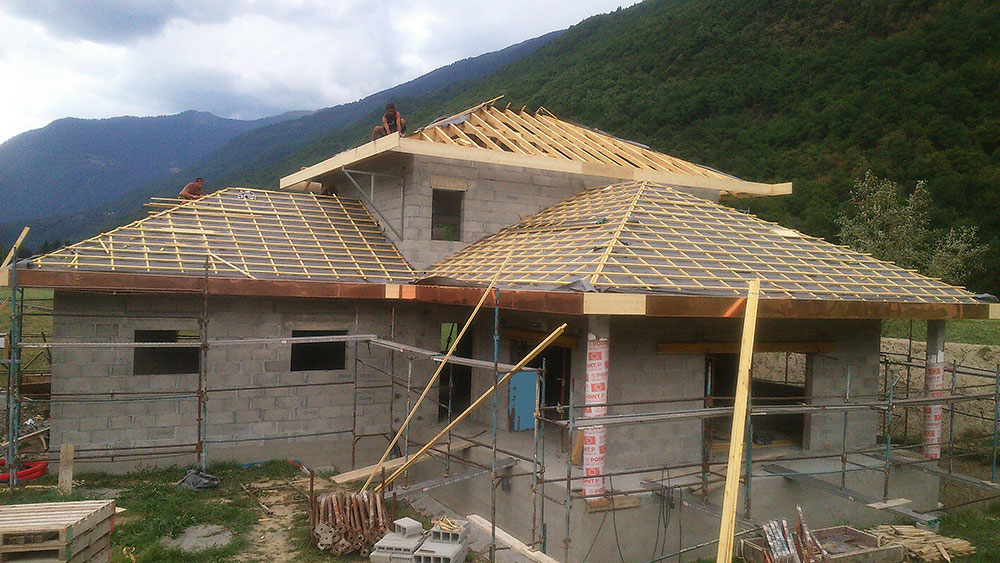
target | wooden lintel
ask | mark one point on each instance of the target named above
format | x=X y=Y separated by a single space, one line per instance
x=734 y=347
x=536 y=337
x=617 y=502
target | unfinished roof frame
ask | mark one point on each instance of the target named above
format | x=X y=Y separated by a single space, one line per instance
x=491 y=135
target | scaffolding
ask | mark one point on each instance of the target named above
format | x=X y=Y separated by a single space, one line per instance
x=895 y=399
x=895 y=393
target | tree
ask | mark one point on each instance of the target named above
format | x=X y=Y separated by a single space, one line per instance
x=886 y=223
x=890 y=225
x=956 y=254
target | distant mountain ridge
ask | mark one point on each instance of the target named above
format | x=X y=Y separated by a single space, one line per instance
x=237 y=149
x=74 y=164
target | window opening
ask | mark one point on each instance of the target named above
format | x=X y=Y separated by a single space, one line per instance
x=446 y=215
x=318 y=355
x=166 y=360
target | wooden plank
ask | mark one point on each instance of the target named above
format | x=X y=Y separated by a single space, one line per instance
x=389 y=465
x=733 y=347
x=524 y=361
x=13 y=249
x=515 y=545
x=437 y=372
x=536 y=337
x=727 y=529
x=65 y=469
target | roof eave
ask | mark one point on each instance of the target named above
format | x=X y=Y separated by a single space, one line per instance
x=553 y=302
x=733 y=187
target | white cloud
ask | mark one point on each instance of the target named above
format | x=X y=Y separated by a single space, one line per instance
x=241 y=58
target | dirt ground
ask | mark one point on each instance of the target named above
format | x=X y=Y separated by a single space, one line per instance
x=271 y=538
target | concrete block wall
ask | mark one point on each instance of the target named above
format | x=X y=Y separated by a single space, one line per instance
x=93 y=423
x=638 y=373
x=856 y=352
x=242 y=424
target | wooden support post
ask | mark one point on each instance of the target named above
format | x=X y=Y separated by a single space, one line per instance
x=727 y=529
x=66 y=469
x=437 y=372
x=520 y=365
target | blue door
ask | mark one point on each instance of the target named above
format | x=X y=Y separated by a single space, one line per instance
x=521 y=403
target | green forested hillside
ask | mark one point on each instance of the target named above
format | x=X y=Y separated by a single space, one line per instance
x=809 y=92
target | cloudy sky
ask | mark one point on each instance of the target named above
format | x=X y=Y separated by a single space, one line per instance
x=241 y=58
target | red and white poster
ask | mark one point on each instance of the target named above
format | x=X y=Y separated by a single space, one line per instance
x=933 y=387
x=595 y=399
x=593 y=460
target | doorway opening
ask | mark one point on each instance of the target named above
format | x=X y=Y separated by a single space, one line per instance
x=455 y=382
x=776 y=379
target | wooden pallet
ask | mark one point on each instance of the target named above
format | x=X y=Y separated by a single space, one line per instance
x=70 y=532
x=923 y=545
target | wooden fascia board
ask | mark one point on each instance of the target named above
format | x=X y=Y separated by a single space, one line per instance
x=555 y=302
x=154 y=283
x=541 y=162
x=346 y=158
x=716 y=307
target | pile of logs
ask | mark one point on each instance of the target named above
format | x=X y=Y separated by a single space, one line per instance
x=347 y=522
x=923 y=545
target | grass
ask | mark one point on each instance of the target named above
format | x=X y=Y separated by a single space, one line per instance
x=156 y=507
x=36 y=321
x=965 y=331
x=981 y=527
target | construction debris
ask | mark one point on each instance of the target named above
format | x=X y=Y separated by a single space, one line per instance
x=783 y=544
x=923 y=545
x=347 y=522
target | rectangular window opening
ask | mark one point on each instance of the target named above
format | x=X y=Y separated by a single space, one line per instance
x=446 y=215
x=308 y=356
x=166 y=360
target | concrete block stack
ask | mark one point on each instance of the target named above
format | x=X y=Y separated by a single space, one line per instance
x=448 y=543
x=400 y=544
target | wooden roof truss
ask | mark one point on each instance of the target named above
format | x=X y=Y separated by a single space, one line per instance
x=641 y=237
x=541 y=133
x=243 y=233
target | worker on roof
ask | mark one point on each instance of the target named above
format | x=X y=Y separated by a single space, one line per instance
x=392 y=122
x=192 y=190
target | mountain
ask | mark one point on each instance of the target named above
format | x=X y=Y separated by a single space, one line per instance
x=803 y=91
x=238 y=156
x=74 y=164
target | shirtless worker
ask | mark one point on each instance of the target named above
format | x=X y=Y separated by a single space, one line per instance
x=192 y=190
x=391 y=122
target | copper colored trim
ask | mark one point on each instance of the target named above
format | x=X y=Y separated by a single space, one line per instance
x=553 y=302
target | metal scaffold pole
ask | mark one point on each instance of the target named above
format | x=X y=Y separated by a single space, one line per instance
x=203 y=376
x=996 y=420
x=14 y=375
x=493 y=466
x=569 y=475
x=891 y=383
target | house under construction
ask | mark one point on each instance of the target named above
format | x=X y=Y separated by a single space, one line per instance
x=306 y=322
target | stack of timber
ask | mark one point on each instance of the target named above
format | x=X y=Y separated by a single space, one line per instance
x=923 y=545
x=73 y=532
x=348 y=522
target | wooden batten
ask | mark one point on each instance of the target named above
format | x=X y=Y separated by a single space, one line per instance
x=734 y=347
